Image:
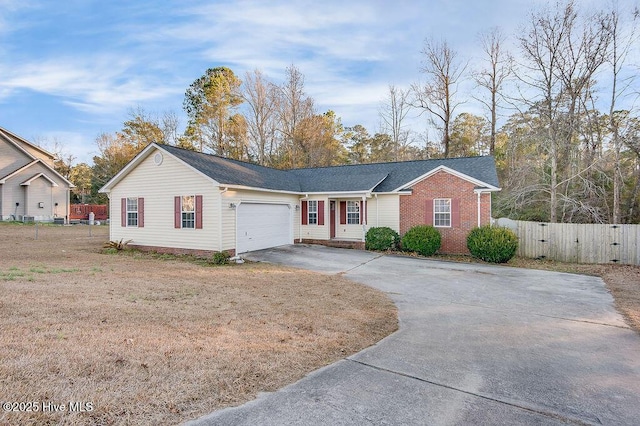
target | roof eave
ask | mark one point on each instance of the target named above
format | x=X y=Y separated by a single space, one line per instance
x=253 y=188
x=449 y=170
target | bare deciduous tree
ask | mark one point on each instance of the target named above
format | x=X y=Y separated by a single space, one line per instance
x=262 y=99
x=437 y=95
x=294 y=106
x=620 y=48
x=393 y=112
x=498 y=68
x=561 y=57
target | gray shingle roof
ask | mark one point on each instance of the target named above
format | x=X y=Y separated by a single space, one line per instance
x=233 y=172
x=385 y=177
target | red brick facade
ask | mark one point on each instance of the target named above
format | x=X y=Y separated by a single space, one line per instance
x=413 y=208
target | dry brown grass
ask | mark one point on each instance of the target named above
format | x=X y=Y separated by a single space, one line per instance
x=157 y=341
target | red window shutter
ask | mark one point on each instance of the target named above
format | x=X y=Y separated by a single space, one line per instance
x=305 y=215
x=320 y=212
x=140 y=212
x=123 y=212
x=428 y=212
x=177 y=213
x=343 y=212
x=198 y=211
x=455 y=212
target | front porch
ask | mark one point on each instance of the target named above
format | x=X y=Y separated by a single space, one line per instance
x=337 y=243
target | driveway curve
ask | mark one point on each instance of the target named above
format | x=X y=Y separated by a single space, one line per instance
x=476 y=345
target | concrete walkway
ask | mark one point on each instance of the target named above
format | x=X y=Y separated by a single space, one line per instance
x=477 y=345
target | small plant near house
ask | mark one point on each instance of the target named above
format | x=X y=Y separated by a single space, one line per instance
x=422 y=239
x=116 y=245
x=220 y=258
x=492 y=244
x=381 y=238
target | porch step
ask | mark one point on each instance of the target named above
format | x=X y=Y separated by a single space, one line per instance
x=357 y=245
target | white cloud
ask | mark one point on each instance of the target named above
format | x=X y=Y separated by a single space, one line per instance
x=92 y=84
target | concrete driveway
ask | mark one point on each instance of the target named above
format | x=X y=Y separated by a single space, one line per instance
x=477 y=345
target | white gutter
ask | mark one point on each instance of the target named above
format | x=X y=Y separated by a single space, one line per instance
x=306 y=196
x=377 y=210
x=479 y=209
x=364 y=217
x=220 y=219
x=237 y=256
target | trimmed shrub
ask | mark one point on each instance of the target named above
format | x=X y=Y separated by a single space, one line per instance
x=492 y=244
x=220 y=258
x=381 y=238
x=422 y=239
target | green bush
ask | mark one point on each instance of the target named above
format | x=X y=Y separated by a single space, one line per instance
x=422 y=239
x=492 y=244
x=220 y=258
x=381 y=238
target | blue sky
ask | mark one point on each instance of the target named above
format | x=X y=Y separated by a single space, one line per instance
x=72 y=69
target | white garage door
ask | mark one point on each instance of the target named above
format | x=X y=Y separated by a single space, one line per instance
x=262 y=226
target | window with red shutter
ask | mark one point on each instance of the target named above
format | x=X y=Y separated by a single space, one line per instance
x=305 y=212
x=428 y=212
x=320 y=212
x=140 y=212
x=177 y=213
x=123 y=212
x=198 y=211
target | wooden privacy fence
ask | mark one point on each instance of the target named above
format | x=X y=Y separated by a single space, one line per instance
x=578 y=243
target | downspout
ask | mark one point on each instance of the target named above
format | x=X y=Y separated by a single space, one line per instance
x=364 y=217
x=479 y=210
x=306 y=196
x=237 y=206
x=220 y=220
x=377 y=211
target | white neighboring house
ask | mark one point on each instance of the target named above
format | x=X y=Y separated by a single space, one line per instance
x=30 y=188
x=172 y=199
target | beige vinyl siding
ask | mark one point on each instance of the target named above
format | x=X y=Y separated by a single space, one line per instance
x=11 y=158
x=348 y=232
x=158 y=185
x=40 y=190
x=318 y=232
x=384 y=211
x=48 y=160
x=233 y=196
x=12 y=193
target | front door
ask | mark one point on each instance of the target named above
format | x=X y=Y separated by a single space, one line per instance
x=332 y=218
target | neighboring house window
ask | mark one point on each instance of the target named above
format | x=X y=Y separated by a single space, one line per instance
x=353 y=213
x=442 y=212
x=188 y=211
x=312 y=211
x=132 y=212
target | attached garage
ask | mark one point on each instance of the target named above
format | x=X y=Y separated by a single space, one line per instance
x=260 y=226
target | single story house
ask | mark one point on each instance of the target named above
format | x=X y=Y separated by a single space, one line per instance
x=172 y=199
x=30 y=188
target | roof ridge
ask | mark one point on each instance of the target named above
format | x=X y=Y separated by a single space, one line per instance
x=24 y=140
x=221 y=157
x=395 y=162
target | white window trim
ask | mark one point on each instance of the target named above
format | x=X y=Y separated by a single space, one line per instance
x=133 y=211
x=182 y=212
x=450 y=213
x=309 y=212
x=357 y=204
